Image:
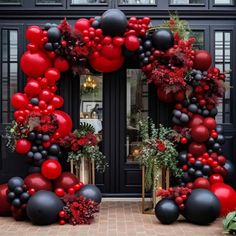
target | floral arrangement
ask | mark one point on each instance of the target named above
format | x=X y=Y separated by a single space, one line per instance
x=83 y=143
x=157 y=150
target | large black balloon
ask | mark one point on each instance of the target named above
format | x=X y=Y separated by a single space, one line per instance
x=90 y=191
x=231 y=175
x=54 y=34
x=202 y=207
x=114 y=22
x=43 y=208
x=15 y=182
x=162 y=39
x=166 y=211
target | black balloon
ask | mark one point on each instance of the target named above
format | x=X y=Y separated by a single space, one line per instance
x=35 y=102
x=162 y=39
x=166 y=211
x=182 y=158
x=231 y=172
x=96 y=24
x=54 y=149
x=220 y=139
x=24 y=197
x=198 y=165
x=186 y=178
x=11 y=196
x=90 y=191
x=206 y=170
x=54 y=34
x=202 y=207
x=32 y=135
x=114 y=22
x=16 y=203
x=220 y=129
x=52 y=158
x=15 y=182
x=43 y=208
x=18 y=190
x=191 y=171
x=48 y=47
x=198 y=173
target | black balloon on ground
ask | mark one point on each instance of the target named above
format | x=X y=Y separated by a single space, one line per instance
x=114 y=22
x=162 y=39
x=43 y=208
x=166 y=211
x=90 y=191
x=202 y=207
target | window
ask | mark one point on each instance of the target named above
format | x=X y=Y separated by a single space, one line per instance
x=48 y=1
x=199 y=36
x=138 y=2
x=75 y=2
x=223 y=2
x=223 y=62
x=187 y=2
x=9 y=72
x=10 y=2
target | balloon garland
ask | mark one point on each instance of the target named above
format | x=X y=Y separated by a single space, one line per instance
x=183 y=76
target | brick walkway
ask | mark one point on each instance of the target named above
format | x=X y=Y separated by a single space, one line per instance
x=114 y=219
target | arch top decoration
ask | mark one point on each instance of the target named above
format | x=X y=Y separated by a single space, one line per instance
x=184 y=78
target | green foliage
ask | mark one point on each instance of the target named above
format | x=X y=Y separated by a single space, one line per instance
x=157 y=150
x=229 y=223
x=84 y=129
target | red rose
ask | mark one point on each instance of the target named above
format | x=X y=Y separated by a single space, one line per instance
x=161 y=146
x=82 y=141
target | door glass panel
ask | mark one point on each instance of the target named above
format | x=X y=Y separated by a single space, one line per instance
x=223 y=2
x=91 y=101
x=137 y=108
x=75 y=2
x=187 y=2
x=138 y=2
x=223 y=62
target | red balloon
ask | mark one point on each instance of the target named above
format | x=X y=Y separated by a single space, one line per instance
x=202 y=60
x=132 y=43
x=210 y=123
x=59 y=192
x=81 y=25
x=179 y=96
x=57 y=101
x=65 y=181
x=163 y=96
x=216 y=178
x=195 y=121
x=22 y=146
x=46 y=95
x=19 y=214
x=51 y=169
x=35 y=64
x=201 y=183
x=37 y=182
x=34 y=34
x=200 y=133
x=64 y=123
x=197 y=149
x=52 y=75
x=118 y=41
x=5 y=207
x=61 y=64
x=102 y=64
x=32 y=88
x=111 y=52
x=19 y=101
x=226 y=196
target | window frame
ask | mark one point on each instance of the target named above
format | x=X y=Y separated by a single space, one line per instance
x=12 y=4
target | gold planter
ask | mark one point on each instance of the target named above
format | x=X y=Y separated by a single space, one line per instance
x=85 y=171
x=161 y=180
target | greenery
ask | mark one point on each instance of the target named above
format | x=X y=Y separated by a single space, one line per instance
x=158 y=151
x=229 y=223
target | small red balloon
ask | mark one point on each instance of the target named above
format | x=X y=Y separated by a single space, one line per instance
x=61 y=64
x=201 y=183
x=32 y=191
x=37 y=182
x=19 y=101
x=5 y=206
x=57 y=101
x=118 y=41
x=34 y=34
x=46 y=95
x=32 y=88
x=210 y=123
x=197 y=149
x=51 y=169
x=216 y=178
x=132 y=43
x=22 y=146
x=200 y=133
x=65 y=181
x=202 y=60
x=71 y=191
x=60 y=192
x=64 y=123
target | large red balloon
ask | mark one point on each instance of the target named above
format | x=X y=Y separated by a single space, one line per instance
x=64 y=123
x=210 y=123
x=32 y=88
x=22 y=146
x=5 y=207
x=102 y=64
x=201 y=183
x=35 y=64
x=81 y=25
x=66 y=181
x=61 y=64
x=111 y=52
x=51 y=169
x=19 y=101
x=197 y=149
x=57 y=101
x=132 y=43
x=195 y=121
x=34 y=34
x=202 y=60
x=200 y=133
x=37 y=182
x=226 y=196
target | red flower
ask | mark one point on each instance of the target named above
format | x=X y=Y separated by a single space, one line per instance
x=161 y=146
x=82 y=141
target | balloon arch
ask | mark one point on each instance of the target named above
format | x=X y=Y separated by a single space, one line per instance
x=183 y=77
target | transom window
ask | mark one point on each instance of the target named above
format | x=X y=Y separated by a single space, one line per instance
x=10 y=2
x=76 y=2
x=187 y=2
x=48 y=1
x=138 y=2
x=223 y=2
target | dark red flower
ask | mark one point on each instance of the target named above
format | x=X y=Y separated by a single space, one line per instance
x=161 y=146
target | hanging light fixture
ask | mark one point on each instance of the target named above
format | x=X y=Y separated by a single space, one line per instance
x=89 y=83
